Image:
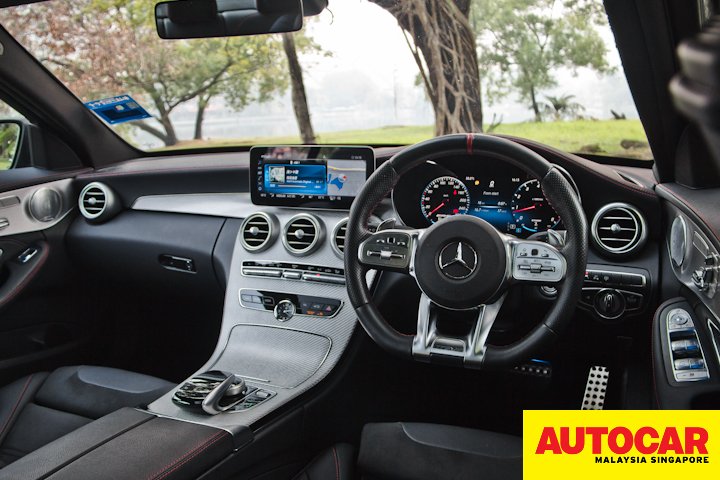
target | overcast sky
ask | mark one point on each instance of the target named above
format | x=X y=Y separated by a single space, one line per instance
x=367 y=43
x=369 y=82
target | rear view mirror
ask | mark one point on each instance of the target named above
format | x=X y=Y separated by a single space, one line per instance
x=227 y=18
x=9 y=142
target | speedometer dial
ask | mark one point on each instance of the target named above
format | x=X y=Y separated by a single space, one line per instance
x=530 y=210
x=443 y=197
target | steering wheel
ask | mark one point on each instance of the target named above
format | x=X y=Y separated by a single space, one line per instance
x=463 y=262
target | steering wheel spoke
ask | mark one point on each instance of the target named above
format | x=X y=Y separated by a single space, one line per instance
x=469 y=350
x=535 y=262
x=392 y=249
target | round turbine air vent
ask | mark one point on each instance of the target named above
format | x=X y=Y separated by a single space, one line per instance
x=258 y=232
x=340 y=232
x=619 y=229
x=338 y=238
x=98 y=202
x=302 y=234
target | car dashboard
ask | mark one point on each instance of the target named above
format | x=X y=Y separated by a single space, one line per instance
x=189 y=222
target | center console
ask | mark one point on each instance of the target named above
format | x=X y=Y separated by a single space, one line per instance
x=287 y=317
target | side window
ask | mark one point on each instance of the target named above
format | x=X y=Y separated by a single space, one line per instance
x=10 y=129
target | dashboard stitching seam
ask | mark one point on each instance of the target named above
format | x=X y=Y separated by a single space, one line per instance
x=688 y=206
x=544 y=149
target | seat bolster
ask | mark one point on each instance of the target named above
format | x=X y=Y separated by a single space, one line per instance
x=14 y=397
x=420 y=451
x=337 y=462
x=93 y=392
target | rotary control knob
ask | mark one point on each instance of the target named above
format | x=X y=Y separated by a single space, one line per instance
x=284 y=310
x=609 y=304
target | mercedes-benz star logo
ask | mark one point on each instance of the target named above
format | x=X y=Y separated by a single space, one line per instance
x=457 y=260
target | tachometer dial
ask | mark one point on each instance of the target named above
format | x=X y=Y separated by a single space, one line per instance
x=530 y=210
x=443 y=197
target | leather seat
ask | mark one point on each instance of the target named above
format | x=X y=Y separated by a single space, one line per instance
x=421 y=451
x=39 y=408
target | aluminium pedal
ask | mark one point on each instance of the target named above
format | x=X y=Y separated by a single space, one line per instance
x=595 y=388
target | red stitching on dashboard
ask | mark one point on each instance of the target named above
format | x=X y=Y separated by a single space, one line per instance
x=147 y=171
x=688 y=205
x=17 y=404
x=195 y=451
x=559 y=154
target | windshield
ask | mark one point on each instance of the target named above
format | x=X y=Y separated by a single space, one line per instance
x=375 y=72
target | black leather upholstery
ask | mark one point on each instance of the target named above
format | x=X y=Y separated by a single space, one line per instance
x=421 y=451
x=42 y=407
x=337 y=462
x=127 y=444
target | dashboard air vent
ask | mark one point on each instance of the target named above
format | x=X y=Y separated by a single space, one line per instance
x=619 y=229
x=257 y=232
x=338 y=240
x=98 y=202
x=302 y=234
x=340 y=232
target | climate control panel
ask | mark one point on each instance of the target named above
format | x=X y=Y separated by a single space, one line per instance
x=285 y=306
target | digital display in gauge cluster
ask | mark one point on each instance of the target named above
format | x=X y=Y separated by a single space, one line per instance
x=497 y=191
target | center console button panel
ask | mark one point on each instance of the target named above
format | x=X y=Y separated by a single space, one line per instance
x=294 y=271
x=611 y=293
x=284 y=306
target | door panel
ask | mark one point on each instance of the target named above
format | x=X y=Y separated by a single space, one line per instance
x=39 y=324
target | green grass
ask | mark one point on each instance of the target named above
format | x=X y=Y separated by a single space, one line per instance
x=604 y=136
x=5 y=164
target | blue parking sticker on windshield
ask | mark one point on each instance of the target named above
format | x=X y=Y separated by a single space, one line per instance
x=116 y=110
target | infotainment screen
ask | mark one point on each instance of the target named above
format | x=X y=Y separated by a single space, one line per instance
x=309 y=176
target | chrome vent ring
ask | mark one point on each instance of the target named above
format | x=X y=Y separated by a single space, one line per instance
x=258 y=231
x=619 y=229
x=302 y=235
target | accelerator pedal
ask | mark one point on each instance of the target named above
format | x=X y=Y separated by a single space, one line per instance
x=595 y=388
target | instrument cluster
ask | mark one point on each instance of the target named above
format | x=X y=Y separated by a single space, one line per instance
x=499 y=192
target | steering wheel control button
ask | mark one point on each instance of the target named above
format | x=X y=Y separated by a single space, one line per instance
x=389 y=249
x=537 y=262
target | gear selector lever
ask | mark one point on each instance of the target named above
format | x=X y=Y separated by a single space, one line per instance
x=214 y=391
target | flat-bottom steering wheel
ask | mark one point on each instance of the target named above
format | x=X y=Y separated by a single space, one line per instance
x=463 y=262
